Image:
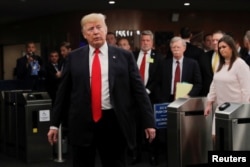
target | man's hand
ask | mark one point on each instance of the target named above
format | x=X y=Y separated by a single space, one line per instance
x=58 y=74
x=150 y=134
x=52 y=136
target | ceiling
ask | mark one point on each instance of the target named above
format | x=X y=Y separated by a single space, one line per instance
x=15 y=10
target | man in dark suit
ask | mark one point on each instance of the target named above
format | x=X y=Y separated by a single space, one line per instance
x=29 y=67
x=241 y=50
x=102 y=121
x=191 y=51
x=149 y=73
x=189 y=72
x=207 y=62
x=65 y=49
x=53 y=74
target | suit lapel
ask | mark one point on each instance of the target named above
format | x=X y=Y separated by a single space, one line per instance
x=85 y=60
x=151 y=64
x=112 y=59
x=168 y=70
x=184 y=71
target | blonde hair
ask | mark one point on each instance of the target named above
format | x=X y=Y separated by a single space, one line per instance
x=92 y=17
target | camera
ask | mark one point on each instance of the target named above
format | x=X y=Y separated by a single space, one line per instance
x=31 y=54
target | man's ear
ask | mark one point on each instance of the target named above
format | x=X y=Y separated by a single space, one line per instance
x=83 y=33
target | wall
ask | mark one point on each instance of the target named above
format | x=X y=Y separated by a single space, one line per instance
x=51 y=30
x=68 y=24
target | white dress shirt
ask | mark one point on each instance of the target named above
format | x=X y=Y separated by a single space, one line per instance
x=103 y=57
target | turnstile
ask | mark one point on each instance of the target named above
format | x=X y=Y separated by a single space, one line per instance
x=188 y=132
x=9 y=121
x=2 y=127
x=232 y=123
x=27 y=120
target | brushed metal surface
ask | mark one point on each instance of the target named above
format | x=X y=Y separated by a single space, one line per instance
x=189 y=132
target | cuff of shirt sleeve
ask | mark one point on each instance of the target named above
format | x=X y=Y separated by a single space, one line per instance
x=53 y=127
x=148 y=91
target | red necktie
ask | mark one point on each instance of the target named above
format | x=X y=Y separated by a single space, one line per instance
x=177 y=75
x=96 y=87
x=142 y=67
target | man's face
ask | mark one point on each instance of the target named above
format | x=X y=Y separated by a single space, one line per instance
x=54 y=57
x=146 y=42
x=177 y=49
x=31 y=48
x=123 y=43
x=216 y=38
x=64 y=51
x=209 y=42
x=246 y=43
x=110 y=38
x=95 y=33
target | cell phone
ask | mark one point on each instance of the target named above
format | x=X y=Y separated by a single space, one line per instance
x=224 y=106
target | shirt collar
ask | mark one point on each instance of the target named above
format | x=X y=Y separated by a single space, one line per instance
x=180 y=60
x=102 y=49
x=148 y=52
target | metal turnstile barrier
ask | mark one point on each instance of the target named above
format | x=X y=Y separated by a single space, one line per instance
x=2 y=127
x=9 y=122
x=27 y=120
x=232 y=123
x=188 y=132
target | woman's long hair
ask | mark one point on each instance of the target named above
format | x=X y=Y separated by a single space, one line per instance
x=231 y=43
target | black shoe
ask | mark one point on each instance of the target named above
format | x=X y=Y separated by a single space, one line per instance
x=153 y=161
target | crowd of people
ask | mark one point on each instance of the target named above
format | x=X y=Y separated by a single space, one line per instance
x=128 y=83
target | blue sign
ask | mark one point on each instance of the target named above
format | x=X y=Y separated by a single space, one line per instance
x=160 y=112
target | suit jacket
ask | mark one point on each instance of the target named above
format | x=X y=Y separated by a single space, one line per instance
x=243 y=53
x=125 y=87
x=190 y=74
x=151 y=83
x=248 y=60
x=23 y=71
x=52 y=82
x=206 y=71
x=193 y=51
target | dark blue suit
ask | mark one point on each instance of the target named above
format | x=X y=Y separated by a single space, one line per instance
x=190 y=74
x=125 y=89
x=205 y=62
x=152 y=75
x=152 y=86
x=23 y=73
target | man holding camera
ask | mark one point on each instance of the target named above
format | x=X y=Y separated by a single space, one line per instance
x=28 y=67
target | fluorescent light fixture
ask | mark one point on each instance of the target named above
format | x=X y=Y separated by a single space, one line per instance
x=186 y=4
x=111 y=2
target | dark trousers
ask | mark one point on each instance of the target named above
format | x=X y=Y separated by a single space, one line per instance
x=108 y=140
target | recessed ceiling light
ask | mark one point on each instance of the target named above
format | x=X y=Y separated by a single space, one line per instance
x=186 y=4
x=111 y=2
